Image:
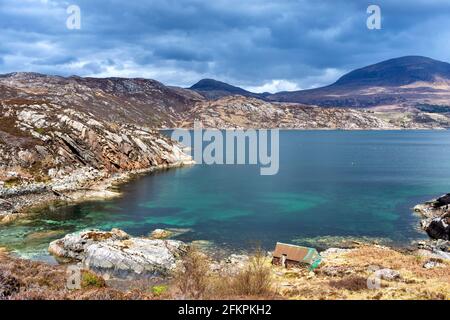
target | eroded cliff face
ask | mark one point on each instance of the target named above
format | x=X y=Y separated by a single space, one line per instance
x=46 y=147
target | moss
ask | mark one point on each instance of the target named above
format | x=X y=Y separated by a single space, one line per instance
x=89 y=280
x=41 y=131
x=12 y=182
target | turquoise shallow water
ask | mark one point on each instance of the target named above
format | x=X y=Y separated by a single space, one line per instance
x=330 y=184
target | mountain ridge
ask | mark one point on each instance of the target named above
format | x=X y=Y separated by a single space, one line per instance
x=405 y=81
x=397 y=71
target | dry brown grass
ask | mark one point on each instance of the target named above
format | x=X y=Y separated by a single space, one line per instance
x=345 y=277
x=40 y=281
x=340 y=276
x=352 y=283
x=194 y=280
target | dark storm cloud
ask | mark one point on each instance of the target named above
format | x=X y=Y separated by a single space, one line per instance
x=279 y=44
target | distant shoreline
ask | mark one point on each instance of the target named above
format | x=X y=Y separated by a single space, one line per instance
x=310 y=129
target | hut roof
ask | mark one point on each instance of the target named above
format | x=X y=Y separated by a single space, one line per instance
x=292 y=252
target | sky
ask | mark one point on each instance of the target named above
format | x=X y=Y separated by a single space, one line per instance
x=258 y=45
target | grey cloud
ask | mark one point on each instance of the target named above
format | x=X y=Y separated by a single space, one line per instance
x=247 y=43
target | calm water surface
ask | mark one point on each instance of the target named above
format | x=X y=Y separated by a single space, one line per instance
x=331 y=185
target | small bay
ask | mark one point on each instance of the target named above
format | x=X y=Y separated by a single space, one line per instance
x=331 y=185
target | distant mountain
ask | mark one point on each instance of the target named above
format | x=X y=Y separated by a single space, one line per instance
x=418 y=85
x=213 y=89
x=397 y=72
x=52 y=102
x=411 y=81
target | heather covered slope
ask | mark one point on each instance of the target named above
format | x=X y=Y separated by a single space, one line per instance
x=344 y=274
x=139 y=101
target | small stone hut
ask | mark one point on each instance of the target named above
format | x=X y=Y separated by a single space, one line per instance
x=289 y=255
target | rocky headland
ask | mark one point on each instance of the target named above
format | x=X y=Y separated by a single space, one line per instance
x=436 y=223
x=49 y=152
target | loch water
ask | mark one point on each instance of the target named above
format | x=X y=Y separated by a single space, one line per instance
x=331 y=186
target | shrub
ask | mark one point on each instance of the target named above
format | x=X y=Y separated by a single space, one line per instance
x=255 y=279
x=352 y=283
x=191 y=276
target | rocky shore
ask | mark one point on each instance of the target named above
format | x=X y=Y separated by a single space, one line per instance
x=436 y=223
x=436 y=215
x=50 y=153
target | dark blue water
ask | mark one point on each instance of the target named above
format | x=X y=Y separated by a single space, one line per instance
x=331 y=185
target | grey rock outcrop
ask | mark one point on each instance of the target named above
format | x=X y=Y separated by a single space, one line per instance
x=437 y=228
x=436 y=214
x=115 y=254
x=434 y=249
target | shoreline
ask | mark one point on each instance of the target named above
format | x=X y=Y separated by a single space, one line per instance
x=100 y=188
x=86 y=184
x=414 y=271
x=33 y=197
x=313 y=129
x=342 y=274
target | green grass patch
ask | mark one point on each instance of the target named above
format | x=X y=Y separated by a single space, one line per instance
x=159 y=290
x=91 y=280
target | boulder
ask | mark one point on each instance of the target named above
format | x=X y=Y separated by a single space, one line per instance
x=115 y=254
x=437 y=228
x=389 y=274
x=434 y=249
x=73 y=246
x=160 y=234
x=431 y=264
x=437 y=217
